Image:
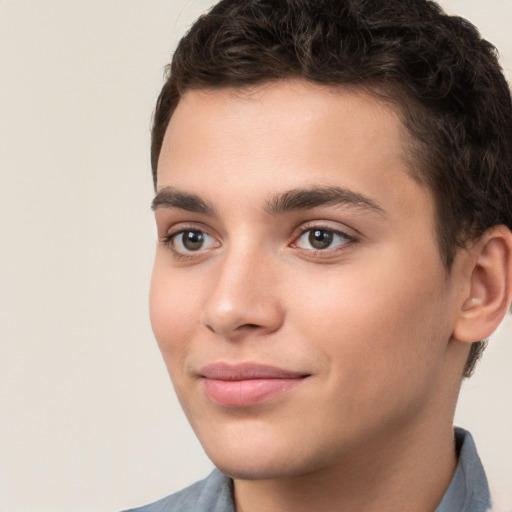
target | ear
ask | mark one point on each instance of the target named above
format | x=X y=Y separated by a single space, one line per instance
x=487 y=297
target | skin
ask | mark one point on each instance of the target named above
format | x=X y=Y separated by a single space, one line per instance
x=370 y=319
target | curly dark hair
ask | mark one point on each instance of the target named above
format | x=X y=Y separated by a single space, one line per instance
x=443 y=78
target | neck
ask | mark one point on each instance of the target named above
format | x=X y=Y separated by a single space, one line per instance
x=412 y=467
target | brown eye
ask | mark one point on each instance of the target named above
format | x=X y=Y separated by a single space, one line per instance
x=320 y=238
x=192 y=240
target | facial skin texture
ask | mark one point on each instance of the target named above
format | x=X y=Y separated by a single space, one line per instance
x=369 y=320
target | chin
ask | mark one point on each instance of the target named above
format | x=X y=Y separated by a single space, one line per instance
x=243 y=469
x=243 y=462
x=266 y=460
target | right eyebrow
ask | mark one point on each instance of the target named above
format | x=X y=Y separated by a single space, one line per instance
x=169 y=197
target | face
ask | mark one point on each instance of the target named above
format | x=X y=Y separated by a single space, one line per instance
x=298 y=294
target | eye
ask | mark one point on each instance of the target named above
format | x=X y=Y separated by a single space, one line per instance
x=190 y=240
x=320 y=239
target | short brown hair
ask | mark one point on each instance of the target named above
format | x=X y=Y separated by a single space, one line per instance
x=445 y=79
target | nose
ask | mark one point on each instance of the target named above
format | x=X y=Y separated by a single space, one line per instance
x=244 y=299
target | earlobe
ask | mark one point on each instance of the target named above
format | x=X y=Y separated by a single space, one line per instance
x=489 y=292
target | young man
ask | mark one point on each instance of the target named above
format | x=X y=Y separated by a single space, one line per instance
x=333 y=202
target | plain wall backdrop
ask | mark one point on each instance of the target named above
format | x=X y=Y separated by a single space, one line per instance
x=88 y=420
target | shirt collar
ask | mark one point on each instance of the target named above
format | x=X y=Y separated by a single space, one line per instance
x=469 y=490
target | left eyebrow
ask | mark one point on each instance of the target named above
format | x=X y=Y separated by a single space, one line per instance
x=305 y=199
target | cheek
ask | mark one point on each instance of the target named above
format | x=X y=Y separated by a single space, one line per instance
x=173 y=313
x=377 y=315
x=382 y=342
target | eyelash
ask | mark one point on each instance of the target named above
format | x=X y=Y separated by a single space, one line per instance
x=349 y=239
x=169 y=237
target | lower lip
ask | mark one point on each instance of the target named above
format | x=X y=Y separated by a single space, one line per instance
x=244 y=393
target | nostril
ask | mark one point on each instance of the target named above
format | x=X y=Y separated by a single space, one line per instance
x=240 y=328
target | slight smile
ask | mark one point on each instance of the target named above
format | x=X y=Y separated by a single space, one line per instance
x=246 y=384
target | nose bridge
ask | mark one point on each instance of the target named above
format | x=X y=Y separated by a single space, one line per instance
x=244 y=294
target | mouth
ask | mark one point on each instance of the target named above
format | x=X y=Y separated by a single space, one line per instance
x=247 y=384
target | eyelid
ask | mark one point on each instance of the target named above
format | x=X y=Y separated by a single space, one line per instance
x=182 y=227
x=324 y=226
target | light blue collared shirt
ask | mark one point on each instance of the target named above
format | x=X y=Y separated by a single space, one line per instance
x=468 y=491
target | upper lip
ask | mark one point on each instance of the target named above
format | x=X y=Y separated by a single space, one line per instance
x=247 y=371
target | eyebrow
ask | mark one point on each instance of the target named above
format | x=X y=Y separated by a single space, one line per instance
x=305 y=199
x=292 y=200
x=169 y=197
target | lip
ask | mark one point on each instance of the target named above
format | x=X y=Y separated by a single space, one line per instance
x=247 y=384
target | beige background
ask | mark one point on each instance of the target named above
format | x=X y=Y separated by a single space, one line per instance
x=88 y=420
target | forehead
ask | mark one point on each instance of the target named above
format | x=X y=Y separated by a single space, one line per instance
x=296 y=108
x=280 y=136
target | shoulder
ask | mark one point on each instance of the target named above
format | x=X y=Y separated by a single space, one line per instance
x=213 y=494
